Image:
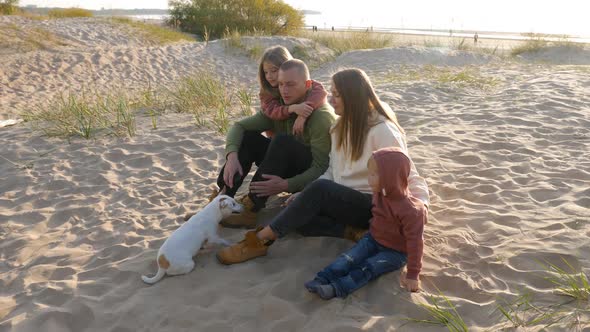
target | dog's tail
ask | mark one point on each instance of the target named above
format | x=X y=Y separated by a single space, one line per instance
x=163 y=265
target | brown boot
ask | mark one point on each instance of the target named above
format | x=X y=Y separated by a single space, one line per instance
x=250 y=247
x=354 y=233
x=214 y=193
x=246 y=219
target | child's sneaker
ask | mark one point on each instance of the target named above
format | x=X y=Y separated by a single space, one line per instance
x=326 y=292
x=312 y=285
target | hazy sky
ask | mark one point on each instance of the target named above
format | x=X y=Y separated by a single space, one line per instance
x=563 y=16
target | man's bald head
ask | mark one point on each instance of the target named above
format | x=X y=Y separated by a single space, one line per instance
x=294 y=81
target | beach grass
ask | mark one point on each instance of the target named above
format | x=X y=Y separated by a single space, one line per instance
x=521 y=312
x=572 y=283
x=158 y=34
x=534 y=43
x=199 y=95
x=83 y=114
x=89 y=112
x=342 y=42
x=69 y=12
x=245 y=100
x=442 y=312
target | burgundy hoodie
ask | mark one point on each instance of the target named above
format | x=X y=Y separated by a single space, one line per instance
x=398 y=218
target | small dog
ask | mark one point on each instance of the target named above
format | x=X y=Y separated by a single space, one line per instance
x=175 y=257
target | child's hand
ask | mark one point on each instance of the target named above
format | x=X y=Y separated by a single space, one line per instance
x=303 y=109
x=299 y=125
x=410 y=284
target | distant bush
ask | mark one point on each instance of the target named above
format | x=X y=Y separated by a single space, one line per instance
x=214 y=17
x=8 y=7
x=69 y=12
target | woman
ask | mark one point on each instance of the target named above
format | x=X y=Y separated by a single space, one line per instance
x=339 y=202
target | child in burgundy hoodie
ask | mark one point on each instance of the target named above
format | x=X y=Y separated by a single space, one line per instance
x=395 y=235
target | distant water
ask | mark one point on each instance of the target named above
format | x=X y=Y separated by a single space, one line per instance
x=441 y=26
x=149 y=17
x=324 y=22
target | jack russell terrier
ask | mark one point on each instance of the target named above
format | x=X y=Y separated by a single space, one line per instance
x=175 y=257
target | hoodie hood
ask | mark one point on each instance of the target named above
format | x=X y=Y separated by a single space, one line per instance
x=393 y=167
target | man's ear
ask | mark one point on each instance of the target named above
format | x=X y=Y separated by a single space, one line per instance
x=308 y=84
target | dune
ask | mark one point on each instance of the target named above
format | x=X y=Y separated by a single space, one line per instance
x=82 y=220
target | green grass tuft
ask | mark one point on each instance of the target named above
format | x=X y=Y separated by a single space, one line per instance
x=69 y=12
x=570 y=283
x=441 y=313
x=80 y=115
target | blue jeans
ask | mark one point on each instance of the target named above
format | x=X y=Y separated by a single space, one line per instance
x=362 y=263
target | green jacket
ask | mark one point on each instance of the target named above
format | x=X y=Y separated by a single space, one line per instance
x=316 y=134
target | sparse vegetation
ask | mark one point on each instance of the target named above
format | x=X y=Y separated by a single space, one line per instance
x=158 y=34
x=81 y=115
x=245 y=99
x=462 y=77
x=269 y=17
x=570 y=283
x=25 y=40
x=8 y=7
x=536 y=42
x=69 y=12
x=199 y=95
x=342 y=42
x=442 y=313
x=522 y=313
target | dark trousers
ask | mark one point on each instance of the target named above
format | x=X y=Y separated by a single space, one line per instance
x=364 y=262
x=282 y=156
x=324 y=208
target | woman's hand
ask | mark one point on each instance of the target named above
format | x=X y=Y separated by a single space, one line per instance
x=302 y=109
x=290 y=199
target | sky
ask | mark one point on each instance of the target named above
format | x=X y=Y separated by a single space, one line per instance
x=540 y=16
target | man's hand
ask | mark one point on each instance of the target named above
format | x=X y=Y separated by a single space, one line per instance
x=299 y=125
x=232 y=166
x=272 y=186
x=410 y=284
x=302 y=109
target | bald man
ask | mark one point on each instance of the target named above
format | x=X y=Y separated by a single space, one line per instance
x=286 y=163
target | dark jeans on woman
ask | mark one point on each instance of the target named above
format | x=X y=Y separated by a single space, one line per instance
x=362 y=263
x=324 y=208
x=282 y=156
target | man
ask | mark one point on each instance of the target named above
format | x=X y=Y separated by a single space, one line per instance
x=285 y=162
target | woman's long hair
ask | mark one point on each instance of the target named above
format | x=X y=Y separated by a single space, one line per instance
x=275 y=55
x=360 y=104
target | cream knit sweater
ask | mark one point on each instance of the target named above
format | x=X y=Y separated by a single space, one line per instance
x=355 y=174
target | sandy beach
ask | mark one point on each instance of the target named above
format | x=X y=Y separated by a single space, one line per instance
x=505 y=154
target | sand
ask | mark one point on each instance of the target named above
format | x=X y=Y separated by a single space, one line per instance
x=81 y=221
